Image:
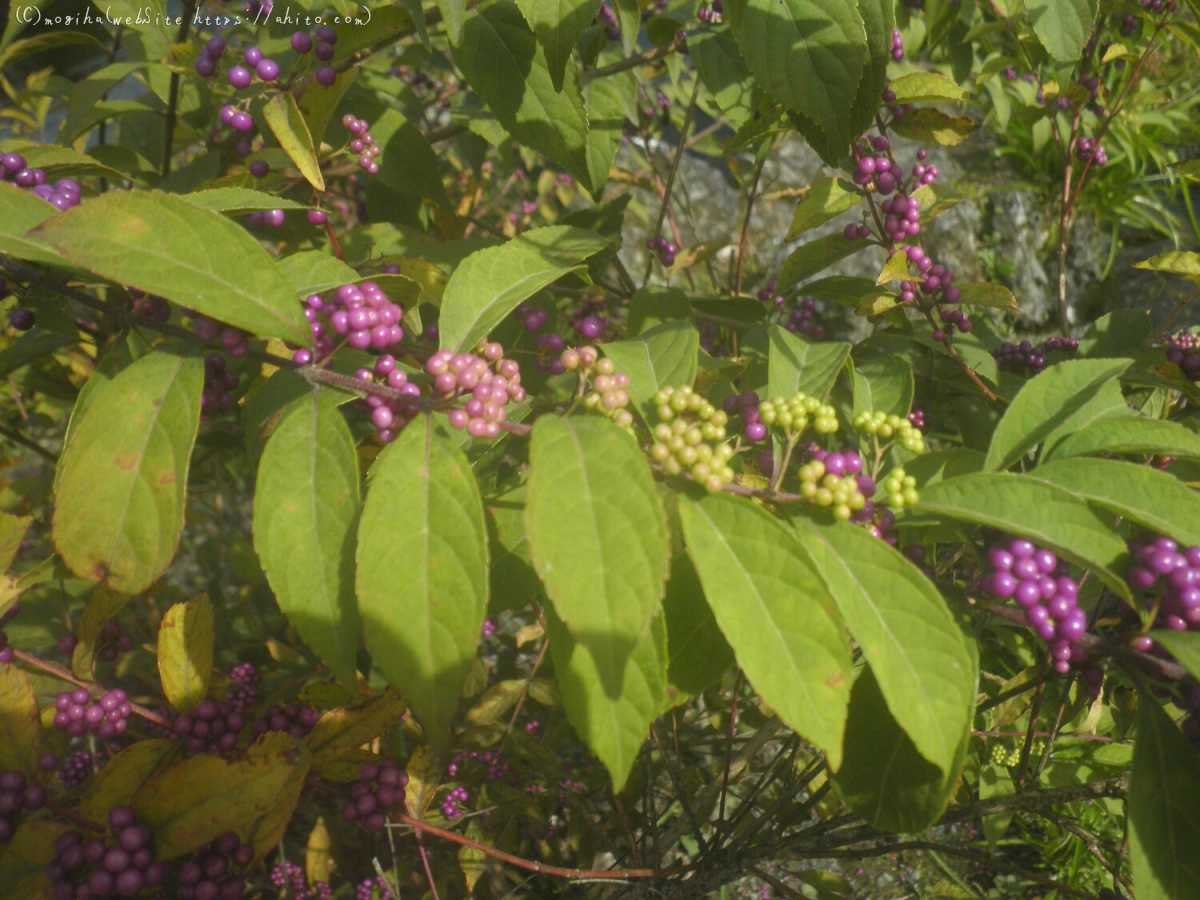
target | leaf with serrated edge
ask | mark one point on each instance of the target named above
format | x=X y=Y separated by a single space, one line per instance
x=1029 y=508
x=775 y=612
x=162 y=244
x=1045 y=402
x=306 y=507
x=423 y=507
x=20 y=725
x=1164 y=807
x=598 y=535
x=558 y=25
x=1153 y=499
x=490 y=283
x=119 y=509
x=925 y=86
x=1136 y=434
x=1063 y=26
x=906 y=633
x=613 y=724
x=185 y=652
x=796 y=365
x=663 y=356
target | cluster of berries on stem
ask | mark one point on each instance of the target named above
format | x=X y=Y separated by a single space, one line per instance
x=1025 y=358
x=379 y=789
x=76 y=714
x=690 y=436
x=362 y=312
x=487 y=381
x=665 y=249
x=363 y=144
x=211 y=872
x=63 y=194
x=96 y=869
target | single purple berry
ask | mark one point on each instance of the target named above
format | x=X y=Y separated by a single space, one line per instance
x=326 y=76
x=239 y=77
x=301 y=42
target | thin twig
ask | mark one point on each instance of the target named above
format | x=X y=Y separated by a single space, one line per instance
x=17 y=438
x=632 y=62
x=189 y=9
x=670 y=185
x=741 y=253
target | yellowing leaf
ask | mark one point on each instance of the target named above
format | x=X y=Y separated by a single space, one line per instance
x=185 y=649
x=287 y=122
x=119 y=780
x=343 y=730
x=20 y=725
x=103 y=605
x=896 y=268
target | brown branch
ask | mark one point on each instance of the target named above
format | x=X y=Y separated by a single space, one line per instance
x=632 y=62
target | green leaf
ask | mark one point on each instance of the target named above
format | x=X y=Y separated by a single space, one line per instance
x=879 y=20
x=598 y=536
x=816 y=256
x=1178 y=262
x=809 y=55
x=1108 y=404
x=929 y=468
x=932 y=125
x=423 y=512
x=513 y=580
x=20 y=725
x=408 y=163
x=906 y=632
x=502 y=60
x=118 y=782
x=162 y=244
x=1120 y=333
x=119 y=509
x=919 y=87
x=884 y=385
x=65 y=162
x=723 y=71
x=995 y=296
x=234 y=201
x=1164 y=807
x=1029 y=508
x=1184 y=646
x=846 y=289
x=558 y=25
x=287 y=124
x=185 y=652
x=341 y=731
x=12 y=532
x=194 y=801
x=306 y=508
x=936 y=199
x=663 y=356
x=28 y=852
x=19 y=212
x=895 y=270
x=1153 y=499
x=490 y=283
x=775 y=612
x=1046 y=402
x=454 y=13
x=883 y=777
x=1063 y=26
x=796 y=365
x=699 y=653
x=317 y=103
x=654 y=305
x=827 y=199
x=312 y=271
x=1135 y=434
x=613 y=723
x=102 y=606
x=629 y=15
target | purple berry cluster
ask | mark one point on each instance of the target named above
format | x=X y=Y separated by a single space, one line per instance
x=151 y=306
x=1183 y=349
x=878 y=172
x=590 y=326
x=209 y=874
x=1025 y=358
x=211 y=727
x=380 y=788
x=901 y=217
x=237 y=119
x=210 y=54
x=1088 y=148
x=94 y=869
x=606 y=17
x=492 y=381
x=361 y=312
x=387 y=415
x=802 y=319
x=267 y=218
x=917 y=417
x=6 y=651
x=1169 y=576
x=1128 y=23
x=294 y=718
x=714 y=14
x=1041 y=585
x=665 y=249
x=923 y=172
x=77 y=715
x=76 y=768
x=452 y=802
x=372 y=889
x=745 y=405
x=219 y=385
x=291 y=878
x=243 y=690
x=234 y=341
x=897 y=48
x=363 y=144
x=533 y=318
x=17 y=795
x=21 y=318
x=265 y=69
x=63 y=194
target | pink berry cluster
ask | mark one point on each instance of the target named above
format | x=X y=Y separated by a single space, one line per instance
x=363 y=144
x=491 y=381
x=1025 y=357
x=243 y=689
x=265 y=69
x=17 y=795
x=361 y=312
x=210 y=873
x=1183 y=349
x=452 y=802
x=372 y=889
x=77 y=715
x=491 y=761
x=237 y=119
x=96 y=869
x=234 y=341
x=289 y=877
x=389 y=416
x=897 y=48
x=63 y=194
x=380 y=788
x=6 y=651
x=712 y=14
x=210 y=727
x=745 y=405
x=76 y=768
x=876 y=171
x=295 y=718
x=917 y=417
x=665 y=249
x=606 y=17
x=1168 y=575
x=1041 y=585
x=1089 y=148
x=219 y=385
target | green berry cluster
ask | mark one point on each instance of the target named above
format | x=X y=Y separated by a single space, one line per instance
x=797 y=413
x=689 y=436
x=885 y=426
x=1003 y=756
x=900 y=490
x=608 y=395
x=840 y=493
